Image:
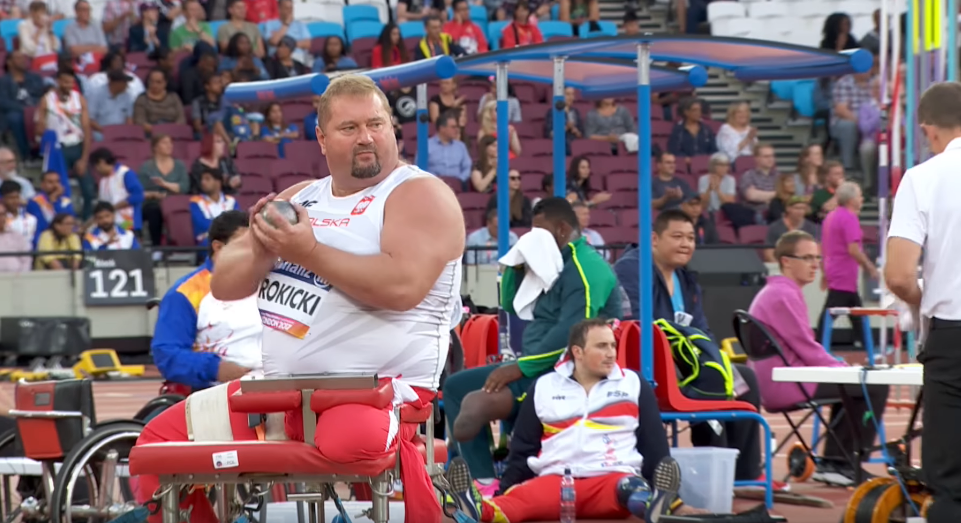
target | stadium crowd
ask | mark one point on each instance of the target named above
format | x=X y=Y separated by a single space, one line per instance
x=136 y=102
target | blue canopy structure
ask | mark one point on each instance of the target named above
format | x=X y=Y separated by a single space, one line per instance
x=594 y=78
x=387 y=78
x=750 y=60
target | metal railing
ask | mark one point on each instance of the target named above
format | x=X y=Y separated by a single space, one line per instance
x=611 y=251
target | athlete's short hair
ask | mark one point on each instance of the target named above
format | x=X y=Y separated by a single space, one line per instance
x=664 y=219
x=103 y=206
x=225 y=225
x=940 y=104
x=578 y=335
x=347 y=85
x=557 y=209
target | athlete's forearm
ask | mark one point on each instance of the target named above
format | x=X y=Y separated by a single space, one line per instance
x=240 y=267
x=229 y=371
x=377 y=280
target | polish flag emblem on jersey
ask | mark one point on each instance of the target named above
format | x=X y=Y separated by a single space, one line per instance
x=362 y=206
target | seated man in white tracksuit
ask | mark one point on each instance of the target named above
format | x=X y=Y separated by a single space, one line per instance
x=598 y=420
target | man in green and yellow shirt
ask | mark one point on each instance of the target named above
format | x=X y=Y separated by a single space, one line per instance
x=586 y=288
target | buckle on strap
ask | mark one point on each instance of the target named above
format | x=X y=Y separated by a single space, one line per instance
x=258 y=422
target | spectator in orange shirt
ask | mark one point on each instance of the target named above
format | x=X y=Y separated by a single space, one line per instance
x=465 y=32
x=521 y=31
x=390 y=49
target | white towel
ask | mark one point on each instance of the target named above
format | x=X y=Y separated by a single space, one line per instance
x=538 y=251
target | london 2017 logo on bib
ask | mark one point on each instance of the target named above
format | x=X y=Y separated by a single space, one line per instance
x=362 y=206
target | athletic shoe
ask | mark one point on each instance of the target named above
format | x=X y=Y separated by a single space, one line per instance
x=667 y=481
x=487 y=491
x=835 y=474
x=464 y=491
x=777 y=486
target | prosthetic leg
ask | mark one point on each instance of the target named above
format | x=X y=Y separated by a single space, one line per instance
x=634 y=494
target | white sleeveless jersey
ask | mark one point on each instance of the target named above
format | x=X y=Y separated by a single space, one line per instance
x=312 y=327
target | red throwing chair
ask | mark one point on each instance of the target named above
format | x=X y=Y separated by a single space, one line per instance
x=183 y=464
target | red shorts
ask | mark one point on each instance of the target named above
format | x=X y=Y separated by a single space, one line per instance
x=345 y=434
x=539 y=499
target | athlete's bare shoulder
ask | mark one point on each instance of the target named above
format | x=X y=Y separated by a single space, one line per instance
x=424 y=177
x=429 y=204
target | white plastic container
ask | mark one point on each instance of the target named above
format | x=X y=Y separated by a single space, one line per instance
x=707 y=477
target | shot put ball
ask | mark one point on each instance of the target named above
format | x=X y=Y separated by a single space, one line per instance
x=284 y=208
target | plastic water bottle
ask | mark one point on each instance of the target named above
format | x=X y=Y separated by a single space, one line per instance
x=568 y=498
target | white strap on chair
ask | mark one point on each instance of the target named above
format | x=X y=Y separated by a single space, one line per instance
x=208 y=415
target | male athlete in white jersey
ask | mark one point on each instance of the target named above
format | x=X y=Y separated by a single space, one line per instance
x=368 y=281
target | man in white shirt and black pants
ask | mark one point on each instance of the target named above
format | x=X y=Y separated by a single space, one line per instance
x=927 y=215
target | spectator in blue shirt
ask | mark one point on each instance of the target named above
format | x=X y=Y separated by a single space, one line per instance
x=310 y=122
x=239 y=124
x=447 y=156
x=209 y=204
x=334 y=57
x=485 y=237
x=110 y=104
x=49 y=202
x=286 y=26
x=276 y=130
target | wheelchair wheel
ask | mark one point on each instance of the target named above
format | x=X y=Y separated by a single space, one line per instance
x=156 y=406
x=882 y=500
x=93 y=483
x=799 y=463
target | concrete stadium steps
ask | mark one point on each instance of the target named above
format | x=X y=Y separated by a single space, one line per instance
x=649 y=19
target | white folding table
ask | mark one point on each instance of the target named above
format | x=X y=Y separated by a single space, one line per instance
x=909 y=374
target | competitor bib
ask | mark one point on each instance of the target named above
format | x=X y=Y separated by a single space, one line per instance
x=289 y=299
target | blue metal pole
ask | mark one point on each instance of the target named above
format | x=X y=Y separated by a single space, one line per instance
x=910 y=88
x=646 y=257
x=423 y=119
x=951 y=19
x=503 y=151
x=503 y=198
x=560 y=128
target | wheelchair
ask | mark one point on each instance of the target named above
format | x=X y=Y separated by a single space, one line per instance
x=64 y=458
